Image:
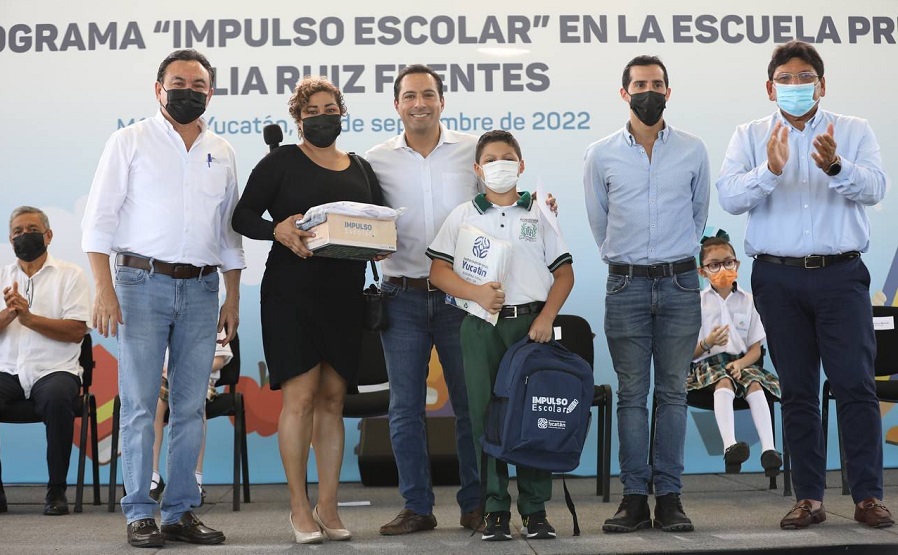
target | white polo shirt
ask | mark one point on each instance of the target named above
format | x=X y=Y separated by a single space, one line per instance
x=59 y=290
x=537 y=249
x=429 y=188
x=153 y=197
x=737 y=311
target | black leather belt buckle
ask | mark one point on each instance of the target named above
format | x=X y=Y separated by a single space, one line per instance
x=814 y=261
x=657 y=271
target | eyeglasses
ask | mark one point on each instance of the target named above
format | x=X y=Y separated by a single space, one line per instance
x=714 y=267
x=29 y=291
x=803 y=78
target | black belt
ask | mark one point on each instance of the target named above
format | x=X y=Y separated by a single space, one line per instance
x=811 y=262
x=720 y=358
x=655 y=270
x=420 y=284
x=515 y=310
x=176 y=271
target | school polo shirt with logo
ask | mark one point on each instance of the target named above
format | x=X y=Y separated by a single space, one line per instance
x=736 y=311
x=537 y=249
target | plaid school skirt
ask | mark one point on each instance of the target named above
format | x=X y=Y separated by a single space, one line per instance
x=211 y=393
x=711 y=370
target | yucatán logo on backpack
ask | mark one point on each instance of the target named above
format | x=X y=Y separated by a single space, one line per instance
x=539 y=413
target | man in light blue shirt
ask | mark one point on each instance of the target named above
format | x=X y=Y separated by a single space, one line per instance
x=647 y=193
x=805 y=176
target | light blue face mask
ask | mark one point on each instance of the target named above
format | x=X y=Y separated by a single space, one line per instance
x=796 y=100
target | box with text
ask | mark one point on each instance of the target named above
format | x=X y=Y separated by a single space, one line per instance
x=353 y=237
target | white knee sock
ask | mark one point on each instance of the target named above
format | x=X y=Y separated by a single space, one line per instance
x=199 y=478
x=760 y=413
x=155 y=477
x=723 y=412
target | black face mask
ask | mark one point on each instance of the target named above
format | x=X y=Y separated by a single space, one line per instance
x=29 y=246
x=322 y=130
x=185 y=105
x=648 y=106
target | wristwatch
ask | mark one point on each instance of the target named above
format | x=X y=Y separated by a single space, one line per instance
x=834 y=168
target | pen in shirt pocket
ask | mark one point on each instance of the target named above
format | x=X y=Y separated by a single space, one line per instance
x=209 y=159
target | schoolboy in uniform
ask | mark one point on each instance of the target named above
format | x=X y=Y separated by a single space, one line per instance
x=540 y=278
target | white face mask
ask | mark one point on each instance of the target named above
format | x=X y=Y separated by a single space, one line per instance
x=500 y=176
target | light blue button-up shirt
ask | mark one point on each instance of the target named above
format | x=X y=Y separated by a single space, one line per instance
x=803 y=211
x=645 y=211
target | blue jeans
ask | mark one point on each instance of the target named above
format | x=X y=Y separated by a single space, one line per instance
x=418 y=321
x=814 y=315
x=652 y=320
x=180 y=314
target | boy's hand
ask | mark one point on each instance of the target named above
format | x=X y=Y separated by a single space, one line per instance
x=720 y=335
x=491 y=296
x=541 y=329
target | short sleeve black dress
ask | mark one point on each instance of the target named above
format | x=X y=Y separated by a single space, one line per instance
x=311 y=308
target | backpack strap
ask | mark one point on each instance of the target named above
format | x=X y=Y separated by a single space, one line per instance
x=570 y=506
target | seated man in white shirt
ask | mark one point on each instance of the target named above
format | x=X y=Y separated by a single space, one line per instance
x=47 y=305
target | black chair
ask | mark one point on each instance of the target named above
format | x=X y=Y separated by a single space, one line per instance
x=704 y=399
x=885 y=364
x=22 y=412
x=227 y=403
x=577 y=336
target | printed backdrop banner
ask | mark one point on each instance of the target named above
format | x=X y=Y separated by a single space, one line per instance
x=73 y=73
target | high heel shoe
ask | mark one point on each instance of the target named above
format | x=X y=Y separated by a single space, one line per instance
x=305 y=537
x=333 y=534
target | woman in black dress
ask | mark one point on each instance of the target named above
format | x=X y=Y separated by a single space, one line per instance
x=311 y=306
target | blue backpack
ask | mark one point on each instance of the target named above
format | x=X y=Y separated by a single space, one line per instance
x=539 y=416
x=539 y=413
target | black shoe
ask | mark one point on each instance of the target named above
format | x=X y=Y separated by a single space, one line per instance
x=156 y=489
x=537 y=527
x=3 y=507
x=191 y=529
x=771 y=461
x=497 y=527
x=669 y=514
x=144 y=533
x=735 y=455
x=632 y=515
x=55 y=503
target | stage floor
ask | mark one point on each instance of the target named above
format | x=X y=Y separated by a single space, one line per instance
x=732 y=513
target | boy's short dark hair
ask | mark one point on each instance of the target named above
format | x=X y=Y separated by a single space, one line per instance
x=713 y=242
x=643 y=61
x=795 y=49
x=496 y=136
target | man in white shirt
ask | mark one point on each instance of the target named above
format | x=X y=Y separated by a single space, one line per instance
x=162 y=200
x=44 y=319
x=429 y=170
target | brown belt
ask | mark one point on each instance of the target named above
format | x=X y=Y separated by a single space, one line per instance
x=420 y=284
x=176 y=271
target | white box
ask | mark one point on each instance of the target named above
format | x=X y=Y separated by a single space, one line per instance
x=353 y=237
